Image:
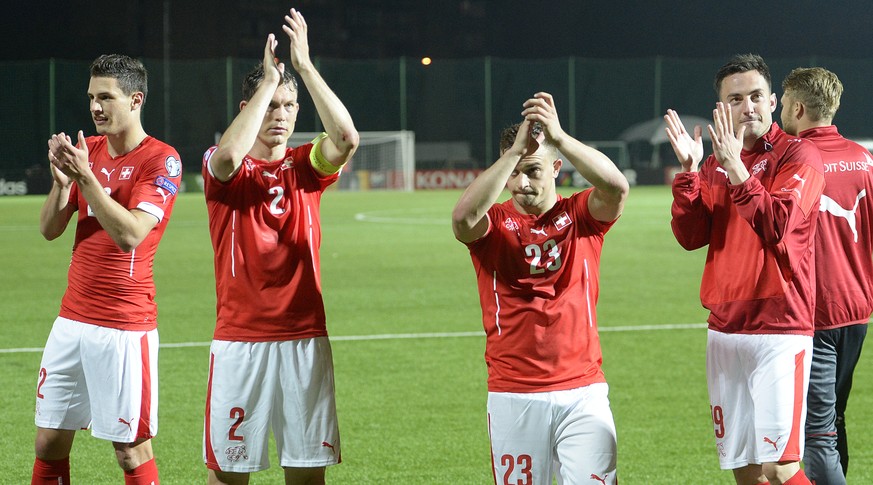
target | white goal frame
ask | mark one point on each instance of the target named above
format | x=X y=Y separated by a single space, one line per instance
x=376 y=165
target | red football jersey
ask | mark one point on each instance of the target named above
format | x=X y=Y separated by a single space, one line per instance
x=107 y=286
x=266 y=233
x=538 y=287
x=844 y=240
x=759 y=272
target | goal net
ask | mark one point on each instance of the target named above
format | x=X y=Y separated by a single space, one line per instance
x=385 y=160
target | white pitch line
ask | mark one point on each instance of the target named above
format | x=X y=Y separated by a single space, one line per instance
x=398 y=336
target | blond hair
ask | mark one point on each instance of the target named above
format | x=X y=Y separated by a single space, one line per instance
x=817 y=88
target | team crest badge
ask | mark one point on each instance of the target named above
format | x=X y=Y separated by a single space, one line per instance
x=562 y=220
x=236 y=453
x=510 y=224
x=126 y=172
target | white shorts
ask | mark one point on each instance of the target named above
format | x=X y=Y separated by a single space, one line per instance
x=568 y=434
x=99 y=377
x=285 y=386
x=757 y=392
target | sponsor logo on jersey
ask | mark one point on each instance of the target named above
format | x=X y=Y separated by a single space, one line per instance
x=325 y=444
x=126 y=172
x=541 y=232
x=719 y=169
x=562 y=220
x=774 y=443
x=174 y=166
x=236 y=453
x=601 y=480
x=269 y=175
x=106 y=173
x=794 y=188
x=126 y=423
x=834 y=208
x=167 y=184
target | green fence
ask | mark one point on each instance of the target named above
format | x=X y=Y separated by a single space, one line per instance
x=462 y=100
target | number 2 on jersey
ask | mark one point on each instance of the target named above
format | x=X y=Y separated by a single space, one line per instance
x=239 y=414
x=550 y=249
x=279 y=192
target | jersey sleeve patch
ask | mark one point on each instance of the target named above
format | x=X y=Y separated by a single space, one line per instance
x=166 y=184
x=174 y=166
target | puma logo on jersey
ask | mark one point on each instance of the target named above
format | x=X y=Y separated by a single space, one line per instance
x=832 y=207
x=108 y=174
x=601 y=480
x=541 y=232
x=774 y=443
x=802 y=180
x=122 y=421
x=269 y=175
x=325 y=444
x=719 y=169
x=795 y=189
x=163 y=194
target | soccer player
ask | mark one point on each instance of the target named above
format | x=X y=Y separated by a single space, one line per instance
x=537 y=258
x=844 y=267
x=100 y=366
x=270 y=360
x=754 y=202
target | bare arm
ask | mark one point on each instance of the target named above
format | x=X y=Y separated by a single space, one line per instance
x=610 y=185
x=342 y=137
x=468 y=217
x=127 y=228
x=242 y=133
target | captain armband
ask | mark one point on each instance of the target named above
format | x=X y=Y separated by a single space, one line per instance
x=316 y=158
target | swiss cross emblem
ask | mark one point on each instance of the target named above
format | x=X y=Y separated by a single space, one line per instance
x=126 y=172
x=561 y=221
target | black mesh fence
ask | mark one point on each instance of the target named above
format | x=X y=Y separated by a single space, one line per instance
x=461 y=101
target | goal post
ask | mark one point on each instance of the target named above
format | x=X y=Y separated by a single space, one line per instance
x=385 y=160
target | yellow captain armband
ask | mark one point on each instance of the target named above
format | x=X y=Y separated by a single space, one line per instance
x=316 y=158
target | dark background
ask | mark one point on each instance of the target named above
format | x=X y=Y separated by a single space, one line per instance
x=609 y=64
x=439 y=28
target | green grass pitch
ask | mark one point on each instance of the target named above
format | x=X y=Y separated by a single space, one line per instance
x=412 y=410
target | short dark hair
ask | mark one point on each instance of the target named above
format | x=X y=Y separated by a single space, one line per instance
x=255 y=76
x=130 y=73
x=742 y=63
x=507 y=138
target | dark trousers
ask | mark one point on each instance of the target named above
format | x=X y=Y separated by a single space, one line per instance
x=834 y=356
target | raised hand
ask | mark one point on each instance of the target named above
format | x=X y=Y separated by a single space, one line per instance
x=295 y=27
x=273 y=69
x=688 y=149
x=726 y=145
x=68 y=161
x=541 y=109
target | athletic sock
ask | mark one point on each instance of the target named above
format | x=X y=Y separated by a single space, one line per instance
x=145 y=474
x=799 y=478
x=51 y=472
